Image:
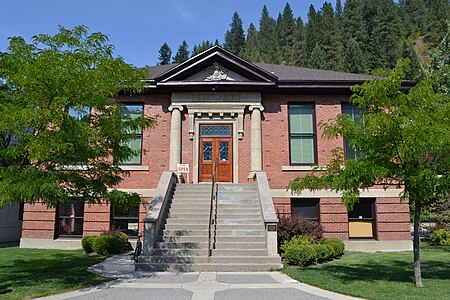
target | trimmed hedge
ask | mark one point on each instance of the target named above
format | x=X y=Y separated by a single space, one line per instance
x=291 y=227
x=303 y=250
x=440 y=237
x=109 y=243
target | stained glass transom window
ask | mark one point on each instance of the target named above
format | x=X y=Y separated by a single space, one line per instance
x=224 y=150
x=207 y=151
x=216 y=130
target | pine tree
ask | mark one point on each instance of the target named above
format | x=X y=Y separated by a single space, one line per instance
x=197 y=49
x=339 y=10
x=311 y=32
x=182 y=53
x=267 y=38
x=354 y=58
x=385 y=46
x=329 y=37
x=251 y=49
x=298 y=48
x=318 y=59
x=413 y=14
x=235 y=37
x=165 y=55
x=354 y=24
x=286 y=32
x=437 y=18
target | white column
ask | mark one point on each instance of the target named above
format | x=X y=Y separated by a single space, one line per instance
x=175 y=137
x=256 y=139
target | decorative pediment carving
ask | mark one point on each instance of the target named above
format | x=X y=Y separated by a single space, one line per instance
x=216 y=73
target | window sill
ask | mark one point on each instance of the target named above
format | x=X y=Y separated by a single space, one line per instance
x=134 y=168
x=297 y=168
x=123 y=167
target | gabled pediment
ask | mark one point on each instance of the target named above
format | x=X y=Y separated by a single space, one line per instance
x=216 y=65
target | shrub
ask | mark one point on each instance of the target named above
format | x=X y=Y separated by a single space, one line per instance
x=323 y=252
x=87 y=244
x=290 y=227
x=337 y=245
x=440 y=237
x=110 y=242
x=299 y=254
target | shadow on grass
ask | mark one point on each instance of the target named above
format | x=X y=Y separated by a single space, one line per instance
x=378 y=267
x=34 y=273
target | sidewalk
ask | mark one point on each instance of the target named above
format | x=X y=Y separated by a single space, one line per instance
x=196 y=285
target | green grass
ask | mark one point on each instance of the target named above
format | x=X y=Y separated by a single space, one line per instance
x=31 y=273
x=382 y=275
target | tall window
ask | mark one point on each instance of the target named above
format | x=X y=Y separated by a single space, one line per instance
x=305 y=208
x=355 y=113
x=70 y=219
x=361 y=220
x=302 y=135
x=126 y=220
x=135 y=141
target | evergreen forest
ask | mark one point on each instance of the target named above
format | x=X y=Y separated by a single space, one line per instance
x=357 y=36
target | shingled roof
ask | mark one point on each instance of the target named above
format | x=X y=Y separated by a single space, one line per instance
x=285 y=73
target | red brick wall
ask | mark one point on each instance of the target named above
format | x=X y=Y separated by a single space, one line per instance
x=275 y=132
x=38 y=221
x=392 y=219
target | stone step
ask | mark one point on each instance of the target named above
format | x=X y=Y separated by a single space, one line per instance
x=221 y=227
x=178 y=252
x=241 y=232
x=241 y=239
x=183 y=239
x=187 y=215
x=200 y=210
x=229 y=221
x=183 y=232
x=240 y=245
x=211 y=259
x=238 y=215
x=239 y=252
x=187 y=221
x=207 y=267
x=182 y=245
x=186 y=226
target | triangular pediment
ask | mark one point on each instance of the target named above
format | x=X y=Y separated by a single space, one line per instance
x=218 y=66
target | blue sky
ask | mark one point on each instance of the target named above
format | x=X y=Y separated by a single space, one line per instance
x=138 y=28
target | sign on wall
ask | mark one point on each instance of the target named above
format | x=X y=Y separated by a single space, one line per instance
x=183 y=168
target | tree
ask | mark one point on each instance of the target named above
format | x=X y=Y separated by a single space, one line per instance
x=197 y=49
x=440 y=64
x=165 y=55
x=235 y=37
x=354 y=58
x=311 y=31
x=298 y=48
x=49 y=87
x=267 y=38
x=438 y=16
x=405 y=140
x=251 y=49
x=318 y=59
x=286 y=34
x=182 y=54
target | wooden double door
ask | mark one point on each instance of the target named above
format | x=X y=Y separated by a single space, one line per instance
x=216 y=145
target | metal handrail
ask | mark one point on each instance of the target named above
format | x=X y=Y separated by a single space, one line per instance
x=213 y=196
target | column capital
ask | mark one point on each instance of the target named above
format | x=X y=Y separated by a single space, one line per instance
x=179 y=107
x=258 y=107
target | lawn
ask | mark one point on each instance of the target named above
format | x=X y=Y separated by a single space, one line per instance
x=31 y=273
x=382 y=275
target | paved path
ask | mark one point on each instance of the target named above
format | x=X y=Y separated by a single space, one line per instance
x=194 y=286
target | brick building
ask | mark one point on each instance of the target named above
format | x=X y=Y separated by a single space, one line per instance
x=250 y=118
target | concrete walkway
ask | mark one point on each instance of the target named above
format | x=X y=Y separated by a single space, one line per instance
x=196 y=285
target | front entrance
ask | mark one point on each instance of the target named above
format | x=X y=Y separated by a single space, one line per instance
x=216 y=144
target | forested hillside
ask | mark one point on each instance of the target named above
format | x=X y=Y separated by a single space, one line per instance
x=356 y=36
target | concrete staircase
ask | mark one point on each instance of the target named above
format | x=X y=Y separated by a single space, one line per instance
x=240 y=242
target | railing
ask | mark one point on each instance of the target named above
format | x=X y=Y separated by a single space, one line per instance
x=212 y=217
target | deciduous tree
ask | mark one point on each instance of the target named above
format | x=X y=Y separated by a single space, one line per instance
x=404 y=139
x=62 y=132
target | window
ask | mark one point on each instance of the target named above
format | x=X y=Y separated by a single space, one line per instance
x=70 y=219
x=355 y=113
x=126 y=220
x=305 y=208
x=361 y=221
x=302 y=134
x=135 y=141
